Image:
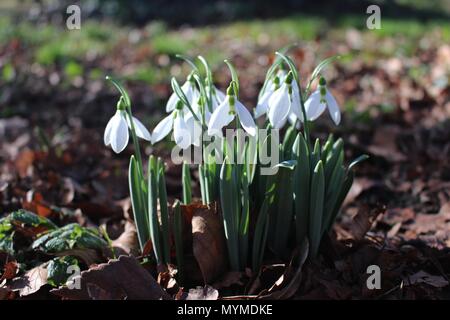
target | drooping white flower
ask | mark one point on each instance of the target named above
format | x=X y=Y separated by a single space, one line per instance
x=296 y=113
x=279 y=107
x=320 y=100
x=116 y=131
x=284 y=103
x=186 y=131
x=263 y=101
x=190 y=91
x=227 y=111
x=217 y=96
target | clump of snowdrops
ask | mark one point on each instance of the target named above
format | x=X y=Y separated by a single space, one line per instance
x=294 y=204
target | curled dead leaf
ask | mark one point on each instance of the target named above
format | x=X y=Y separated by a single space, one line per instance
x=127 y=242
x=31 y=281
x=9 y=271
x=118 y=279
x=35 y=202
x=199 y=293
x=425 y=277
x=6 y=293
x=209 y=242
x=23 y=162
x=287 y=285
x=363 y=220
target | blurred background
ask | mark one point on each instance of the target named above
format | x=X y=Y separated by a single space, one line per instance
x=392 y=85
x=45 y=65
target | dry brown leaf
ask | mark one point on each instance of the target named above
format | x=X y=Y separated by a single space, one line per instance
x=384 y=144
x=166 y=279
x=127 y=243
x=5 y=293
x=35 y=203
x=31 y=281
x=230 y=279
x=23 y=162
x=209 y=242
x=9 y=271
x=88 y=256
x=425 y=277
x=267 y=275
x=287 y=285
x=97 y=293
x=117 y=279
x=363 y=220
x=205 y=293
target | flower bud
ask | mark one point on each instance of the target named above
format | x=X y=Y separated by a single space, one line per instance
x=322 y=81
x=179 y=105
x=289 y=78
x=121 y=103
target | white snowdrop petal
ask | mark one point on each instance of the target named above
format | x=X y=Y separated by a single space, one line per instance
x=162 y=129
x=296 y=106
x=293 y=120
x=281 y=74
x=189 y=91
x=108 y=129
x=314 y=108
x=333 y=108
x=195 y=131
x=263 y=104
x=219 y=119
x=141 y=130
x=119 y=134
x=279 y=107
x=219 y=94
x=245 y=118
x=172 y=102
x=207 y=116
x=181 y=133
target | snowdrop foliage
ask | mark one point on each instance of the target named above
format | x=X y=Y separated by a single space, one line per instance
x=303 y=194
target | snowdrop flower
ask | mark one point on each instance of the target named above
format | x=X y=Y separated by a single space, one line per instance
x=263 y=101
x=190 y=91
x=198 y=106
x=226 y=112
x=319 y=101
x=116 y=132
x=284 y=103
x=217 y=96
x=185 y=132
